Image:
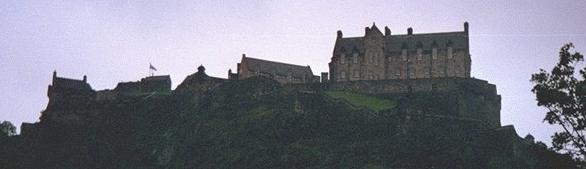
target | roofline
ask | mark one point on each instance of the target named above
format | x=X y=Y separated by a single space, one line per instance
x=279 y=62
x=415 y=34
x=64 y=78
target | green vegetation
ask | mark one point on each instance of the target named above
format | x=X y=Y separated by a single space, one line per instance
x=563 y=93
x=7 y=129
x=256 y=123
x=363 y=100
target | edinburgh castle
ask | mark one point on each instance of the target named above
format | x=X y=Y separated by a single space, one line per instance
x=388 y=101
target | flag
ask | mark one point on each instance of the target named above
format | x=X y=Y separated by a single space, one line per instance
x=152 y=67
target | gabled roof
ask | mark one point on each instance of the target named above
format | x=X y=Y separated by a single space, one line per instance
x=457 y=40
x=277 y=68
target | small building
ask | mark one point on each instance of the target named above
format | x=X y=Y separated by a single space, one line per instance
x=69 y=88
x=146 y=85
x=281 y=72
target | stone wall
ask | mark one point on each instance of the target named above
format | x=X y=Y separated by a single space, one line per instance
x=464 y=97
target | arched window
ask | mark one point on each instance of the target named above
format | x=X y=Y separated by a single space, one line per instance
x=450 y=51
x=404 y=52
x=419 y=51
x=434 y=50
x=343 y=58
x=434 y=53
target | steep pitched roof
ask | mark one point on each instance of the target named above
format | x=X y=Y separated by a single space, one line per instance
x=457 y=40
x=277 y=68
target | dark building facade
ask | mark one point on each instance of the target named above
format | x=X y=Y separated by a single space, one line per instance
x=377 y=56
x=282 y=72
x=67 y=88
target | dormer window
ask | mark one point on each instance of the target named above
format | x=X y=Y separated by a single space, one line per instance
x=450 y=53
x=434 y=53
x=419 y=54
x=404 y=54
x=355 y=57
x=343 y=58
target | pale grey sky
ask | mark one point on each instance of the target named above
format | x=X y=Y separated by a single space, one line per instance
x=114 y=40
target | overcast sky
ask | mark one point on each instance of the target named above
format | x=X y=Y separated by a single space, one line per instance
x=114 y=40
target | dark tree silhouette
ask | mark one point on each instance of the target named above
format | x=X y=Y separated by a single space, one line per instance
x=563 y=92
x=7 y=129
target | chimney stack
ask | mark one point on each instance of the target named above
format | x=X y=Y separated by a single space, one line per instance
x=466 y=27
x=409 y=31
x=366 y=30
x=387 y=31
x=340 y=34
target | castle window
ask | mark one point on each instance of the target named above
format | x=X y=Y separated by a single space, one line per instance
x=355 y=58
x=434 y=53
x=404 y=54
x=450 y=52
x=356 y=74
x=342 y=75
x=419 y=54
x=343 y=58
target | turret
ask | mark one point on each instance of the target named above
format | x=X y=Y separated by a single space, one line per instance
x=54 y=76
x=201 y=69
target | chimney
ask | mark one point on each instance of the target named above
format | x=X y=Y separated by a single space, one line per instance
x=387 y=31
x=84 y=78
x=324 y=77
x=409 y=31
x=466 y=27
x=243 y=55
x=339 y=34
x=366 y=30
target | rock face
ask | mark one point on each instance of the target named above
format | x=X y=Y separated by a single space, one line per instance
x=209 y=122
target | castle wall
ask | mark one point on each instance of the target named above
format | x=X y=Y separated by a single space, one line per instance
x=473 y=98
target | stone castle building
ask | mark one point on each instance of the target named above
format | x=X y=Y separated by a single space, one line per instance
x=281 y=72
x=377 y=56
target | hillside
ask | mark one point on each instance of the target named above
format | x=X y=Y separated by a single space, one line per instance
x=258 y=123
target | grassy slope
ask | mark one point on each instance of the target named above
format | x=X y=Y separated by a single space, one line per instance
x=363 y=100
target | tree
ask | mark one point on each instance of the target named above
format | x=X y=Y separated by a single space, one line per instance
x=563 y=92
x=7 y=129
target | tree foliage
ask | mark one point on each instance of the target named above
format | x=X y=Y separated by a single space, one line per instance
x=7 y=129
x=563 y=92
